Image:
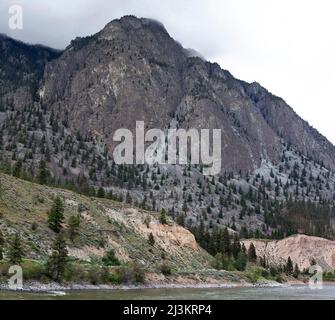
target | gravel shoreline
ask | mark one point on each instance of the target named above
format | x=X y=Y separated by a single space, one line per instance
x=37 y=287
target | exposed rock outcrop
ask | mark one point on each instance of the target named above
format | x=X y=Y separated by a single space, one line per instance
x=301 y=248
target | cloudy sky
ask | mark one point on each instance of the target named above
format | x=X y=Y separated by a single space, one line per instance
x=287 y=46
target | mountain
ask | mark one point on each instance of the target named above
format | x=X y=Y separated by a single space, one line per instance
x=21 y=69
x=57 y=126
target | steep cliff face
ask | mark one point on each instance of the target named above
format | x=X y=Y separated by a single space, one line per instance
x=303 y=250
x=290 y=127
x=134 y=71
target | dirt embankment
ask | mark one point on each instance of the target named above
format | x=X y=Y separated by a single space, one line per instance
x=301 y=248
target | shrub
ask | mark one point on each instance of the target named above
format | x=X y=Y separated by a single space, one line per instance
x=132 y=274
x=110 y=276
x=94 y=275
x=138 y=273
x=109 y=259
x=165 y=269
x=151 y=239
x=255 y=274
x=74 y=273
x=33 y=271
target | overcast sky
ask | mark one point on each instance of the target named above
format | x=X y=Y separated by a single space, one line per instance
x=287 y=46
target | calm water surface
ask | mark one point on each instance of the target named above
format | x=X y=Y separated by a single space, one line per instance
x=278 y=293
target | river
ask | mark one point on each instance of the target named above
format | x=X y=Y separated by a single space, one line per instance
x=255 y=293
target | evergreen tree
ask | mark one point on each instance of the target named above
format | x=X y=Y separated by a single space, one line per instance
x=56 y=263
x=101 y=192
x=147 y=221
x=6 y=167
x=128 y=198
x=252 y=256
x=42 y=173
x=74 y=225
x=289 y=266
x=1 y=190
x=162 y=218
x=296 y=271
x=236 y=247
x=56 y=215
x=17 y=169
x=2 y=243
x=151 y=239
x=241 y=261
x=180 y=219
x=226 y=242
x=15 y=253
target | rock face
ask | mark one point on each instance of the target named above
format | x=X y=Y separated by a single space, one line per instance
x=280 y=118
x=134 y=71
x=302 y=250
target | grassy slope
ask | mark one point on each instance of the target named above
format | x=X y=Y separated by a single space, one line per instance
x=104 y=224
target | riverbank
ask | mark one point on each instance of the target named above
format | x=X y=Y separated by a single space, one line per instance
x=35 y=287
x=202 y=280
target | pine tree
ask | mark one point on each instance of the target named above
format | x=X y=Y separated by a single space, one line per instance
x=241 y=261
x=1 y=190
x=252 y=257
x=226 y=242
x=101 y=192
x=74 y=225
x=2 y=243
x=147 y=221
x=151 y=239
x=6 y=167
x=181 y=219
x=162 y=218
x=129 y=200
x=296 y=271
x=17 y=169
x=56 y=263
x=289 y=266
x=56 y=215
x=42 y=173
x=15 y=253
x=236 y=247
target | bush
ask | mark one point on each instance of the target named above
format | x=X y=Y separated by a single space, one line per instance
x=109 y=259
x=34 y=271
x=94 y=275
x=222 y=262
x=165 y=269
x=255 y=274
x=74 y=273
x=132 y=274
x=108 y=276
x=4 y=266
x=279 y=278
